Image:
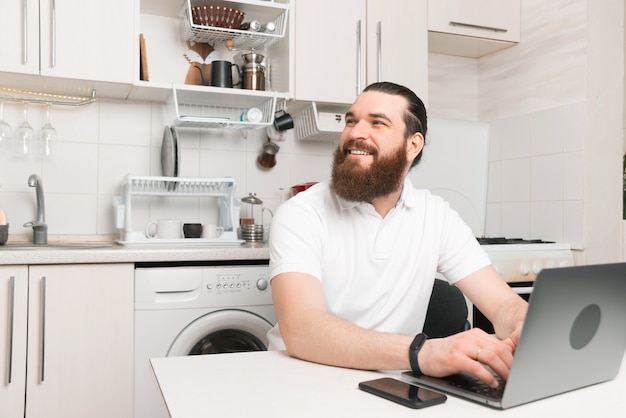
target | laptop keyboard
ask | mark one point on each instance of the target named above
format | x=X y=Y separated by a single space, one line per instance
x=472 y=384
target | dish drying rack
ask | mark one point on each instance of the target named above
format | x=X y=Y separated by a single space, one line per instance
x=242 y=39
x=190 y=109
x=313 y=124
x=222 y=188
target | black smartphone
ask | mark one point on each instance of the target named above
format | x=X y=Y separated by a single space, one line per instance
x=403 y=393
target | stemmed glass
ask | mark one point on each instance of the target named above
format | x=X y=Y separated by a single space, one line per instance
x=26 y=143
x=48 y=136
x=6 y=132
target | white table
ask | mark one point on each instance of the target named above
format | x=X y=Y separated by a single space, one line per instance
x=271 y=384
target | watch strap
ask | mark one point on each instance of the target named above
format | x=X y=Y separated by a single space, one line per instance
x=414 y=349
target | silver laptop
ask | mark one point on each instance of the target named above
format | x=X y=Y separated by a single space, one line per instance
x=574 y=336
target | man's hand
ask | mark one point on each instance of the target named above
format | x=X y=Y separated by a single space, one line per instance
x=470 y=352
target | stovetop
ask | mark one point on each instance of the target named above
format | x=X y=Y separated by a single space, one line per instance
x=503 y=240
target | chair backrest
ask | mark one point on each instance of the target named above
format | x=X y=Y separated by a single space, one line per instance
x=447 y=311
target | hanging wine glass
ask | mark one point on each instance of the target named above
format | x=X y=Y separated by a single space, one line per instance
x=48 y=136
x=6 y=132
x=25 y=140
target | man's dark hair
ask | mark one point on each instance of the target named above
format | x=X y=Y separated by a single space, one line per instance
x=415 y=117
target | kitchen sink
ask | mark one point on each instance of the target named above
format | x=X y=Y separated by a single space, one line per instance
x=26 y=246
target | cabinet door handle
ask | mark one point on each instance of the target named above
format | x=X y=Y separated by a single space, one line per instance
x=11 y=321
x=25 y=31
x=43 y=326
x=53 y=22
x=469 y=25
x=379 y=45
x=358 y=57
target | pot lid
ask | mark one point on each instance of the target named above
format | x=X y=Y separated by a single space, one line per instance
x=252 y=199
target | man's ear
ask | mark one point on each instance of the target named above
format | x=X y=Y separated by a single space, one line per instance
x=414 y=145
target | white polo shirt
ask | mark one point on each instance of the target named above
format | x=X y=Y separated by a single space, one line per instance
x=376 y=272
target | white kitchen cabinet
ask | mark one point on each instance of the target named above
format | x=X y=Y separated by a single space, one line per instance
x=71 y=39
x=79 y=356
x=13 y=327
x=472 y=28
x=341 y=47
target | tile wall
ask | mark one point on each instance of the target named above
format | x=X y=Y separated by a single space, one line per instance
x=102 y=142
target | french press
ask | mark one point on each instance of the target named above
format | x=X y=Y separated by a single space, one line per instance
x=251 y=222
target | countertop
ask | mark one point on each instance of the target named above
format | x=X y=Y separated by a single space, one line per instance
x=116 y=253
x=272 y=384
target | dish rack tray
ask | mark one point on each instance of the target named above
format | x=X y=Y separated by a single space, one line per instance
x=310 y=123
x=189 y=109
x=243 y=39
x=222 y=188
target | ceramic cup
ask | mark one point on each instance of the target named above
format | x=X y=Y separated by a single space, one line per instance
x=212 y=231
x=164 y=229
x=192 y=230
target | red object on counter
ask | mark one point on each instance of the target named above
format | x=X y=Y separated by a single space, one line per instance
x=301 y=187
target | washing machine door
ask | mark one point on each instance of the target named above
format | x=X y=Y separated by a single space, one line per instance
x=224 y=331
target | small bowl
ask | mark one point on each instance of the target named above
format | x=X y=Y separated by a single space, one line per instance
x=4 y=233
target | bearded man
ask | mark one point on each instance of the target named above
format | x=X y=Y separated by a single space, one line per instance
x=353 y=261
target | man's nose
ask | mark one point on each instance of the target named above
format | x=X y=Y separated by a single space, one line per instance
x=359 y=130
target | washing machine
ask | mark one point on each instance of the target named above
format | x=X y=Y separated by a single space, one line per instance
x=185 y=310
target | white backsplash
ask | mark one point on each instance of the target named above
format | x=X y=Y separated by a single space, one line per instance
x=102 y=142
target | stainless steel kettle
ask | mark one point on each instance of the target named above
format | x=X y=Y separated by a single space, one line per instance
x=252 y=72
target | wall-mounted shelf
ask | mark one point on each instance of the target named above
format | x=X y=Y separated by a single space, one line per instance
x=323 y=123
x=25 y=96
x=264 y=12
x=192 y=110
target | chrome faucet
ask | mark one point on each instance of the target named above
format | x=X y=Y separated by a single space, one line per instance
x=40 y=229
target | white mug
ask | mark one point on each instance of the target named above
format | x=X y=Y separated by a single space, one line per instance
x=212 y=231
x=165 y=229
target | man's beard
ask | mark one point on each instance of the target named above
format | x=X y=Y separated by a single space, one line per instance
x=384 y=176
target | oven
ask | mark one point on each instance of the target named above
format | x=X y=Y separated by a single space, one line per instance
x=518 y=261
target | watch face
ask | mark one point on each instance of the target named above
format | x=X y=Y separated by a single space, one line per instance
x=419 y=341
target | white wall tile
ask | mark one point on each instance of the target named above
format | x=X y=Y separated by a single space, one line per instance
x=82 y=178
x=574 y=126
x=546 y=220
x=573 y=223
x=494 y=183
x=493 y=220
x=516 y=180
x=573 y=176
x=516 y=220
x=71 y=214
x=116 y=161
x=125 y=123
x=546 y=131
x=515 y=134
x=546 y=174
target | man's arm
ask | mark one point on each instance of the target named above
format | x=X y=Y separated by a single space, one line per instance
x=311 y=333
x=496 y=300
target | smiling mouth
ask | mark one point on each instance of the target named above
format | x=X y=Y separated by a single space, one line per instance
x=358 y=152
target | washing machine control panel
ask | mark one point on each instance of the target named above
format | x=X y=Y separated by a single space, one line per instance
x=246 y=284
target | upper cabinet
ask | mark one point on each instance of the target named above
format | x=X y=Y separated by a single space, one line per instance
x=342 y=46
x=472 y=28
x=69 y=39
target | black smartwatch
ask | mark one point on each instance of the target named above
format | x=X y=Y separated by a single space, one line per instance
x=414 y=349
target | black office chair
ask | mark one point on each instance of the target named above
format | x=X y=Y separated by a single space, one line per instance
x=447 y=311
